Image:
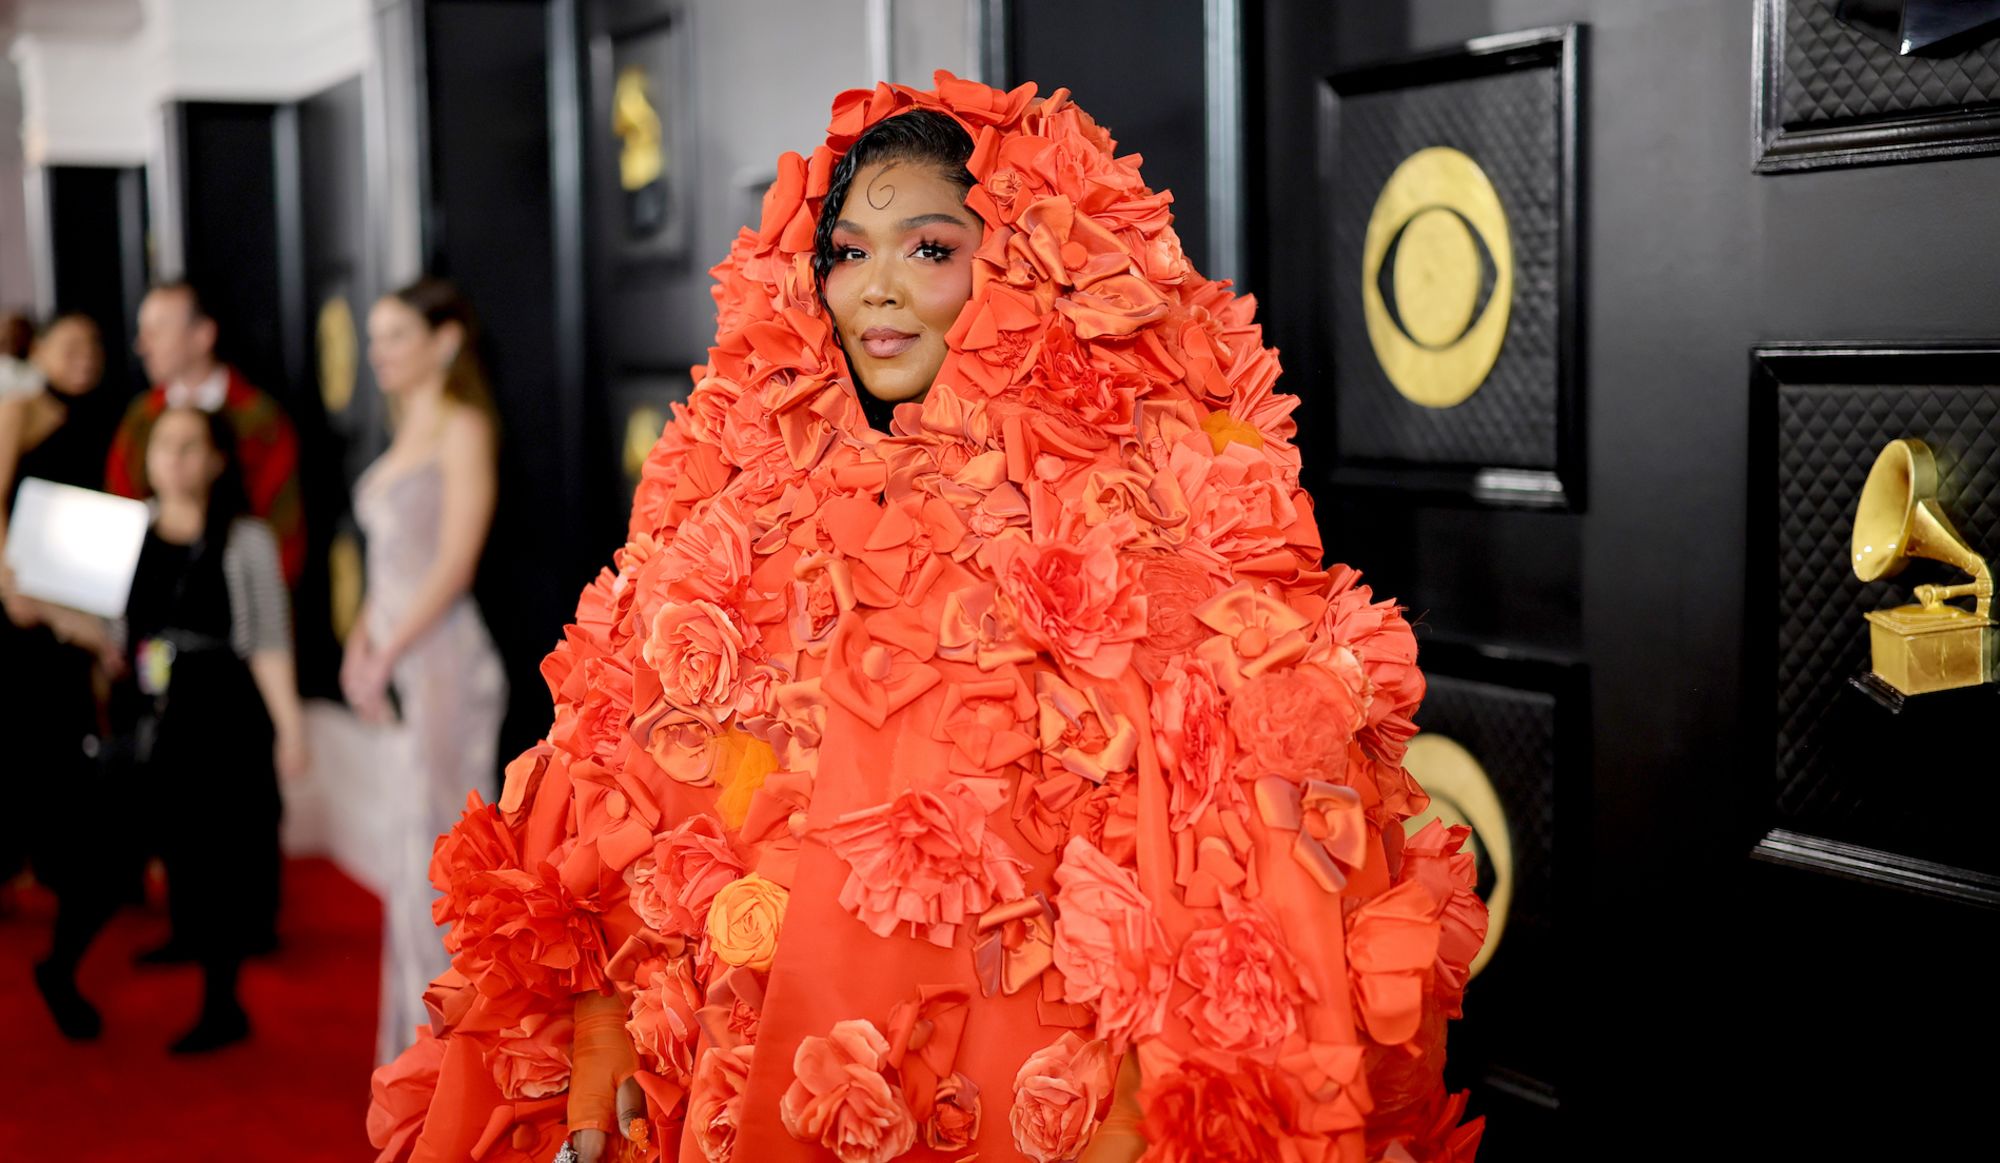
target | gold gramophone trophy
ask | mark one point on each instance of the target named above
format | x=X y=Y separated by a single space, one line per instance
x=1930 y=646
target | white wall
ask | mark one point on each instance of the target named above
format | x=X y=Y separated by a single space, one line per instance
x=95 y=73
x=17 y=281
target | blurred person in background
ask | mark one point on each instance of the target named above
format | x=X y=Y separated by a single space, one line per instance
x=209 y=718
x=47 y=709
x=17 y=375
x=420 y=652
x=177 y=344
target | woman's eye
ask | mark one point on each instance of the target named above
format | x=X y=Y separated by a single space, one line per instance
x=848 y=254
x=935 y=251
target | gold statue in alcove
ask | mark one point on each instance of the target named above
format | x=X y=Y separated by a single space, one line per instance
x=1930 y=646
x=641 y=155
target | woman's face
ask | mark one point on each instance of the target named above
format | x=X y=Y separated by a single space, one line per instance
x=902 y=270
x=70 y=356
x=404 y=349
x=180 y=461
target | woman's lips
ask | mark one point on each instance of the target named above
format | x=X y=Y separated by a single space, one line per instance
x=883 y=343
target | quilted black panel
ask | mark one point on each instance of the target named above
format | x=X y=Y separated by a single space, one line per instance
x=1845 y=769
x=1508 y=123
x=1512 y=732
x=1835 y=74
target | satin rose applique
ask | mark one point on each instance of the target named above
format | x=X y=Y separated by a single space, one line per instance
x=1191 y=734
x=1248 y=987
x=1436 y=858
x=840 y=1099
x=744 y=922
x=1175 y=588
x=715 y=1102
x=663 y=1022
x=1110 y=947
x=531 y=1059
x=953 y=1124
x=698 y=648
x=401 y=1094
x=511 y=929
x=1380 y=639
x=1061 y=1095
x=926 y=860
x=1294 y=723
x=1201 y=1113
x=671 y=888
x=1079 y=602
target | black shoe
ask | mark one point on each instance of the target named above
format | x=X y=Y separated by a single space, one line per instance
x=213 y=1032
x=170 y=953
x=78 y=1020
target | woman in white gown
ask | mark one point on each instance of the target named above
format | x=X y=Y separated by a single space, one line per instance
x=420 y=656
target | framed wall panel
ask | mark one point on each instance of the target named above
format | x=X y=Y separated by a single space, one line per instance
x=1451 y=184
x=1893 y=791
x=1833 y=89
x=642 y=72
x=1501 y=745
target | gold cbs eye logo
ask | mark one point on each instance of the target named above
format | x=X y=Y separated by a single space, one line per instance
x=1462 y=793
x=1437 y=277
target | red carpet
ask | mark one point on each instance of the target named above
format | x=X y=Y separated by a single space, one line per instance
x=297 y=1091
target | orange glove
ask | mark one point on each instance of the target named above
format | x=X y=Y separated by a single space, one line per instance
x=1119 y=1139
x=601 y=1057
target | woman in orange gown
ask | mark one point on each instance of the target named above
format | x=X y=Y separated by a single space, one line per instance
x=1005 y=776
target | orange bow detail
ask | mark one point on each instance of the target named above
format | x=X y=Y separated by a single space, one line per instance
x=1328 y=820
x=1016 y=942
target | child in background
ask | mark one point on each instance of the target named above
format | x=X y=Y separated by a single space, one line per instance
x=212 y=715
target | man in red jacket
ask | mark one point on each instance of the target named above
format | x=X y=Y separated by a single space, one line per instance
x=177 y=345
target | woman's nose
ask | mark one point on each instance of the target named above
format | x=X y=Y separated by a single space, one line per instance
x=881 y=287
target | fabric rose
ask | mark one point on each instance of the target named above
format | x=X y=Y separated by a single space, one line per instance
x=510 y=929
x=400 y=1094
x=1248 y=987
x=1061 y=1094
x=1436 y=857
x=926 y=860
x=840 y=1099
x=1110 y=947
x=744 y=921
x=715 y=1101
x=1191 y=734
x=697 y=648
x=1295 y=723
x=1174 y=587
x=953 y=1124
x=663 y=1025
x=531 y=1060
x=595 y=708
x=1380 y=639
x=671 y=889
x=709 y=557
x=1080 y=602
x=1204 y=1114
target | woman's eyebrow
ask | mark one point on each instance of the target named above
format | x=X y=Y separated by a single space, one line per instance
x=929 y=219
x=853 y=227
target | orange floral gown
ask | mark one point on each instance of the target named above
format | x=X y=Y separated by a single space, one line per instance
x=899 y=786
